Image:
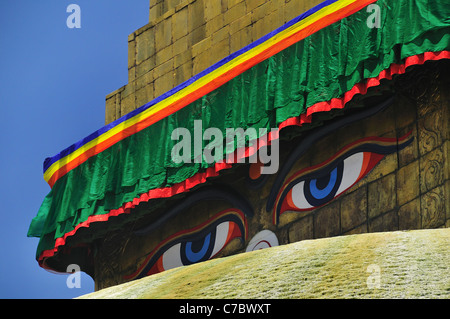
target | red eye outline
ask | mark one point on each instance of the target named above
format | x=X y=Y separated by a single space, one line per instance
x=238 y=228
x=374 y=149
x=369 y=162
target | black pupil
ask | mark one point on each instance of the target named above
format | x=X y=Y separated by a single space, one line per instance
x=197 y=244
x=323 y=181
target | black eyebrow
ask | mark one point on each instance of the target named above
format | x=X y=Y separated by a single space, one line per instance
x=215 y=192
x=366 y=147
x=315 y=135
x=201 y=234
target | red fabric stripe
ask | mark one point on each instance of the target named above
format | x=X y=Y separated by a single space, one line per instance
x=210 y=86
x=199 y=178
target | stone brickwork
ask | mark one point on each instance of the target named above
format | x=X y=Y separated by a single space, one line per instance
x=408 y=189
x=184 y=37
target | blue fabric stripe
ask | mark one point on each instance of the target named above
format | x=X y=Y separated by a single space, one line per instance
x=50 y=160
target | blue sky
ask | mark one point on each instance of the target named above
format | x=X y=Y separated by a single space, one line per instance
x=53 y=83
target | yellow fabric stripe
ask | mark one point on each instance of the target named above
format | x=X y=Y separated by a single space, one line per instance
x=328 y=10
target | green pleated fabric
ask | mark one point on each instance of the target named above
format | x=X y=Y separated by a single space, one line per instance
x=319 y=68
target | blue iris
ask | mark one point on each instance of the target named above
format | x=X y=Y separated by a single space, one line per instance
x=325 y=191
x=200 y=249
x=321 y=189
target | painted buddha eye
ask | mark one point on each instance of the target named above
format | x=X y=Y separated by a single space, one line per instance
x=195 y=245
x=315 y=186
x=314 y=189
x=199 y=247
x=314 y=192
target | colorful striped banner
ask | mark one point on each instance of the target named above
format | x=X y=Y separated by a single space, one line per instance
x=299 y=28
x=105 y=186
